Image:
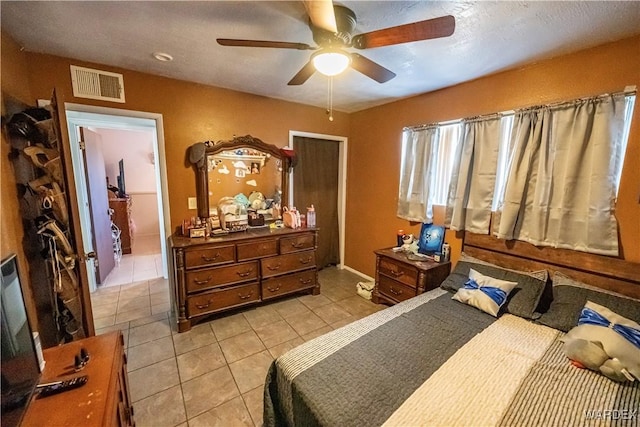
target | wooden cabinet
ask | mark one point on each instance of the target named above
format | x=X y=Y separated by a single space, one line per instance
x=398 y=278
x=213 y=274
x=122 y=218
x=103 y=401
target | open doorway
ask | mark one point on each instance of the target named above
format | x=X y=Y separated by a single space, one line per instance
x=298 y=137
x=131 y=145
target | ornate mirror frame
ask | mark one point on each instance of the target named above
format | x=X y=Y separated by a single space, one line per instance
x=199 y=153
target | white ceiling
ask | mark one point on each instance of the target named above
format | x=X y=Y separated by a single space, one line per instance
x=490 y=36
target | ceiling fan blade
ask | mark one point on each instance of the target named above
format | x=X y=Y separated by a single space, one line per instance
x=422 y=30
x=321 y=14
x=303 y=75
x=371 y=69
x=264 y=43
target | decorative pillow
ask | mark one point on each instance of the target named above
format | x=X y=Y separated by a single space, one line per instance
x=619 y=337
x=485 y=292
x=522 y=301
x=570 y=296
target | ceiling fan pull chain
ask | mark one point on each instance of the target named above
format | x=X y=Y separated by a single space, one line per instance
x=330 y=98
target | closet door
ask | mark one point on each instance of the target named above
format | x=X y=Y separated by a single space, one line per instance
x=315 y=181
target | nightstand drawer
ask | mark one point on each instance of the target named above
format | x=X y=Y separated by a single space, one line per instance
x=398 y=271
x=297 y=243
x=223 y=298
x=258 y=249
x=282 y=264
x=211 y=277
x=203 y=257
x=285 y=284
x=395 y=290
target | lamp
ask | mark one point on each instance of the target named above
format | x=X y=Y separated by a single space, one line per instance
x=330 y=62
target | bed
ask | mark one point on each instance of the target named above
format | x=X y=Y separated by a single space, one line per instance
x=433 y=360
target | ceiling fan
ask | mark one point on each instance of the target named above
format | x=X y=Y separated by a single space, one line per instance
x=332 y=27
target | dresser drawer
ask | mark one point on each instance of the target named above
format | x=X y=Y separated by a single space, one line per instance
x=398 y=271
x=395 y=290
x=218 y=299
x=297 y=243
x=276 y=286
x=259 y=249
x=209 y=256
x=282 y=264
x=228 y=275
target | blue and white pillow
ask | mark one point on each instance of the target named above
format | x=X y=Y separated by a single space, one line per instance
x=484 y=292
x=620 y=337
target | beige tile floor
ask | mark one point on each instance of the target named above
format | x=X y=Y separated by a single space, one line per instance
x=213 y=375
x=143 y=263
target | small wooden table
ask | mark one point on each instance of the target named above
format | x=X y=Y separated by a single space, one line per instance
x=398 y=278
x=103 y=401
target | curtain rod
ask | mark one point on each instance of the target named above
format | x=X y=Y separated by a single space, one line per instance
x=628 y=91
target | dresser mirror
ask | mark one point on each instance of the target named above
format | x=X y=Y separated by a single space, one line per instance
x=243 y=169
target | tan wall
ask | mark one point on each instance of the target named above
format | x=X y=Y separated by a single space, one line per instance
x=191 y=113
x=375 y=143
x=15 y=90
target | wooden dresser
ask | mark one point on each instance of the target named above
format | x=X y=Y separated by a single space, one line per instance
x=122 y=218
x=398 y=278
x=103 y=401
x=214 y=274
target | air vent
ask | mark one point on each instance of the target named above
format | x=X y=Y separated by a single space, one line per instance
x=97 y=84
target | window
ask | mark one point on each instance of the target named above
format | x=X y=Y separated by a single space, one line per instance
x=436 y=173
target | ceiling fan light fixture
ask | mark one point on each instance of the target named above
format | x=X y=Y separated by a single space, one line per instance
x=331 y=62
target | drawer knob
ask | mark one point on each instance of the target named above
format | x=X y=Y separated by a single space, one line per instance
x=297 y=244
x=276 y=289
x=203 y=306
x=202 y=282
x=305 y=261
x=209 y=259
x=305 y=281
x=245 y=273
x=393 y=291
x=397 y=273
x=245 y=296
x=274 y=267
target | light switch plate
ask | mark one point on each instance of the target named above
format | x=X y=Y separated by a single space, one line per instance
x=193 y=203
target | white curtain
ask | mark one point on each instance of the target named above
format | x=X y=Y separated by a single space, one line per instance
x=418 y=168
x=474 y=176
x=563 y=166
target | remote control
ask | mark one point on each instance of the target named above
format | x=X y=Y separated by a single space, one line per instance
x=48 y=389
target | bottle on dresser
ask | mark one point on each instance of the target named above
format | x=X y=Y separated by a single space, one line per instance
x=311 y=217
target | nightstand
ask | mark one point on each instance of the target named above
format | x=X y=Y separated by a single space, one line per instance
x=398 y=278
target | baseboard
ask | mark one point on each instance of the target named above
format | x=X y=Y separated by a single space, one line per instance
x=364 y=276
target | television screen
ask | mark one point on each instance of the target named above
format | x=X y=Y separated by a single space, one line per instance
x=20 y=368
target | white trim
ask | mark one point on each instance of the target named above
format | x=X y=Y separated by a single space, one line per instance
x=115 y=118
x=342 y=180
x=354 y=271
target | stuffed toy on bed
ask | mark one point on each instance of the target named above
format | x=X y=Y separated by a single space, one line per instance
x=605 y=342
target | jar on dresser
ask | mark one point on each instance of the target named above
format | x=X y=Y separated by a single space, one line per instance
x=215 y=274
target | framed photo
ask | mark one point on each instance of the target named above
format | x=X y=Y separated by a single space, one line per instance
x=431 y=238
x=255 y=168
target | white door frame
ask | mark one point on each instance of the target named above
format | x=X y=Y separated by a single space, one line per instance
x=78 y=115
x=342 y=181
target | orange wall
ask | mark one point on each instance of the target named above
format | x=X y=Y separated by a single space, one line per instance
x=375 y=142
x=191 y=113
